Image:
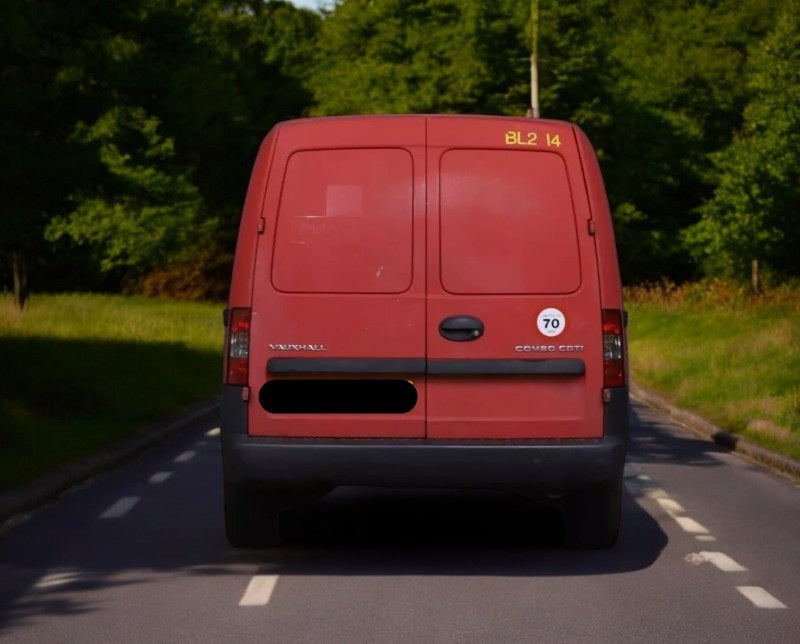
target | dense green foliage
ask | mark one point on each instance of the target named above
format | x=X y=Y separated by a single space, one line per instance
x=401 y=56
x=753 y=213
x=129 y=128
x=146 y=210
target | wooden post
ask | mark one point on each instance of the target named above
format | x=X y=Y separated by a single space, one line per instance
x=754 y=281
x=534 y=111
x=19 y=269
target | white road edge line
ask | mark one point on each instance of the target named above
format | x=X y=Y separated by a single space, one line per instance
x=120 y=508
x=159 y=477
x=186 y=456
x=760 y=597
x=259 y=590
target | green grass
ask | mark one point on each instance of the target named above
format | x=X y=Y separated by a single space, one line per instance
x=733 y=358
x=81 y=371
x=78 y=372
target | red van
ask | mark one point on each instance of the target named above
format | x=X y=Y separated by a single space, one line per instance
x=425 y=301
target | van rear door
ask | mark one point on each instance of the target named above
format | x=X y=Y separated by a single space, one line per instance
x=514 y=335
x=339 y=295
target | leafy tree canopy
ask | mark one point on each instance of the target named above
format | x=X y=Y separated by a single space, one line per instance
x=130 y=128
x=753 y=212
x=146 y=210
x=400 y=56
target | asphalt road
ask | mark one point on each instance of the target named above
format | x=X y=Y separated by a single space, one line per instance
x=709 y=551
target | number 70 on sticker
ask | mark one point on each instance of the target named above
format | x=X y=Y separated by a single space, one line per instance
x=551 y=322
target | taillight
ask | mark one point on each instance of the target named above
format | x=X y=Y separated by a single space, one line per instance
x=237 y=356
x=613 y=357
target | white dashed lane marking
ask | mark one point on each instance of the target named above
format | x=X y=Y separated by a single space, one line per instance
x=719 y=560
x=213 y=432
x=691 y=526
x=120 y=508
x=159 y=477
x=640 y=485
x=670 y=506
x=760 y=597
x=676 y=511
x=185 y=457
x=259 y=590
x=56 y=579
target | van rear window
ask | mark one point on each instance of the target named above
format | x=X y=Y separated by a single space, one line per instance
x=345 y=222
x=507 y=223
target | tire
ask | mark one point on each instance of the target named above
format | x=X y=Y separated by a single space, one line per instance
x=252 y=517
x=592 y=515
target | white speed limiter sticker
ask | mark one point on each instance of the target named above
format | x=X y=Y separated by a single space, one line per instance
x=551 y=322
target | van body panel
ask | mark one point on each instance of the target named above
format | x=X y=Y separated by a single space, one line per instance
x=497 y=226
x=342 y=265
x=527 y=200
x=599 y=211
x=358 y=206
x=378 y=229
x=243 y=276
x=609 y=279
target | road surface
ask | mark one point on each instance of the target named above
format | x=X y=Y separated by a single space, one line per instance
x=709 y=551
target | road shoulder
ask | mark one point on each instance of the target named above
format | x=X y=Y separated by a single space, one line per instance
x=778 y=463
x=19 y=500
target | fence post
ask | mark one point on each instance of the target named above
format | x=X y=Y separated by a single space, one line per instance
x=754 y=280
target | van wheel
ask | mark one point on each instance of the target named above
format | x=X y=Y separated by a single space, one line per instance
x=252 y=517
x=592 y=515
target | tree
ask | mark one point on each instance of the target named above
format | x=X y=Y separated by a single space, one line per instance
x=218 y=74
x=406 y=56
x=675 y=95
x=753 y=212
x=107 y=107
x=652 y=84
x=39 y=163
x=145 y=210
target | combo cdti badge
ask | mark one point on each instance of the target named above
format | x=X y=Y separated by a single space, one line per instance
x=425 y=301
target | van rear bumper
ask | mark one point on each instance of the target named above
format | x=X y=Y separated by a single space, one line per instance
x=546 y=465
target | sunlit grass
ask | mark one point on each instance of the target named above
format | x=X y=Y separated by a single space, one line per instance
x=111 y=317
x=81 y=371
x=78 y=372
x=730 y=356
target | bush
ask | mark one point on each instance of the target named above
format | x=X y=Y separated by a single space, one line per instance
x=205 y=276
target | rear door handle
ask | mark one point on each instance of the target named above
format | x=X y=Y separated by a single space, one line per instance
x=461 y=328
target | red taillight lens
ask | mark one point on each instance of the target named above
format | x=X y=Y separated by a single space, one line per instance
x=613 y=357
x=237 y=356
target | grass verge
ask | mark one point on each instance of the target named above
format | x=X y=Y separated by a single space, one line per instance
x=79 y=372
x=731 y=357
